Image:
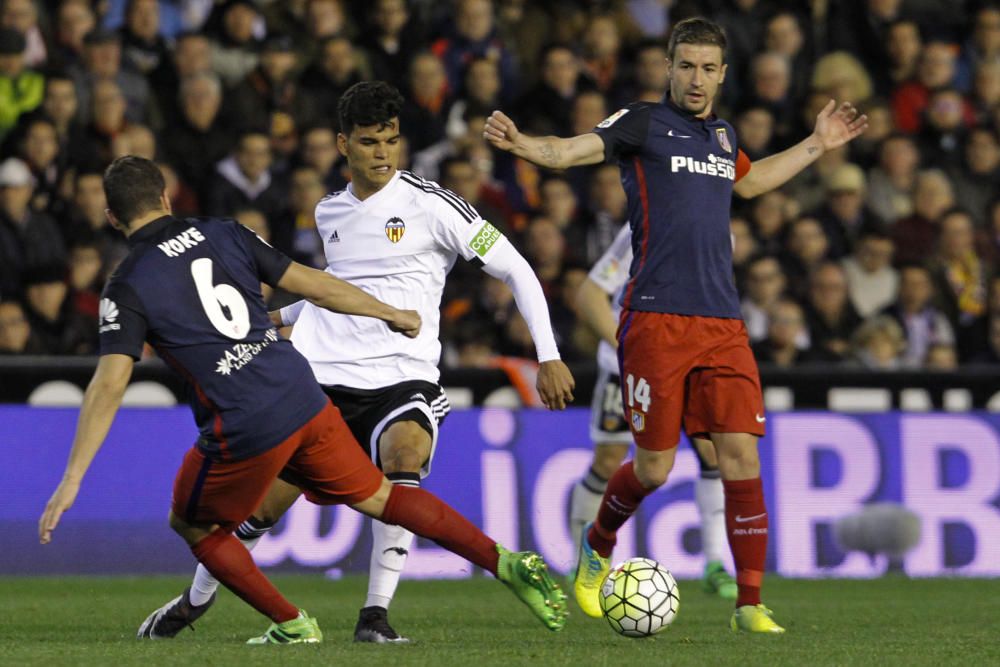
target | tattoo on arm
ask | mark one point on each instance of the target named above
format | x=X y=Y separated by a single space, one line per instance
x=549 y=154
x=812 y=149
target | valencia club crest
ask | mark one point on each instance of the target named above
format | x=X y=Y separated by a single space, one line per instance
x=394 y=229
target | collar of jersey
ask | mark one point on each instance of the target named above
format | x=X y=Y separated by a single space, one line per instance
x=149 y=230
x=375 y=197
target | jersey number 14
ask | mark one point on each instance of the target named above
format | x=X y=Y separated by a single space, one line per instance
x=638 y=392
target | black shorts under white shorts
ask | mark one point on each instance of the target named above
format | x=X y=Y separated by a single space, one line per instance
x=607 y=418
x=369 y=412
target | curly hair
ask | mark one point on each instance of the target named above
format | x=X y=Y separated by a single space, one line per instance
x=368 y=103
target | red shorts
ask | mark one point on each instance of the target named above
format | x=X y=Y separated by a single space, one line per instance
x=690 y=371
x=323 y=456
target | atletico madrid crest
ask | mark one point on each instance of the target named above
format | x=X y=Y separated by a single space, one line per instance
x=723 y=137
x=395 y=229
x=638 y=422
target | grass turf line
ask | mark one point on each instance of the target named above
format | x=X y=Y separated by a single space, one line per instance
x=92 y=621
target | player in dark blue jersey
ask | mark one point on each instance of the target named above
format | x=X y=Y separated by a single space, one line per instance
x=683 y=351
x=191 y=288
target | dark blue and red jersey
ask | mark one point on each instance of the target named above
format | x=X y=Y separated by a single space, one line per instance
x=191 y=288
x=678 y=172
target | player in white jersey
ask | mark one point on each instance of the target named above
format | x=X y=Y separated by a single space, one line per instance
x=610 y=432
x=395 y=236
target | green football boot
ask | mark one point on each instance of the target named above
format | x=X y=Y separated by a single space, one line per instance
x=527 y=575
x=717 y=581
x=300 y=630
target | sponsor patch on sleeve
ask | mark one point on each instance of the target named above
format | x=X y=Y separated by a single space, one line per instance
x=610 y=120
x=485 y=239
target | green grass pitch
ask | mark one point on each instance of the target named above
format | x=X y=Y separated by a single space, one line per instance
x=892 y=621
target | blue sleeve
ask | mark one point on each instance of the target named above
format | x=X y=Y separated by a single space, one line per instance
x=122 y=326
x=624 y=131
x=271 y=263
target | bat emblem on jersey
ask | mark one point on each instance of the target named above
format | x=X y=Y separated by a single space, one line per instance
x=723 y=138
x=394 y=229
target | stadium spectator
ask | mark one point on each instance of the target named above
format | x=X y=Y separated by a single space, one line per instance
x=984 y=45
x=783 y=34
x=770 y=86
x=459 y=175
x=601 y=46
x=915 y=235
x=108 y=119
x=829 y=313
x=945 y=122
x=559 y=203
x=744 y=248
x=764 y=286
x=295 y=228
x=319 y=151
x=200 y=137
x=136 y=140
x=60 y=327
x=924 y=325
x=16 y=336
x=75 y=19
x=234 y=51
x=102 y=63
x=785 y=345
x=985 y=97
x=392 y=39
x=21 y=89
x=976 y=179
x=770 y=213
x=336 y=68
x=755 y=128
x=39 y=147
x=845 y=213
x=86 y=219
x=143 y=47
x=546 y=108
x=28 y=239
x=902 y=47
x=878 y=344
x=545 y=250
x=872 y=282
x=191 y=55
x=959 y=271
x=473 y=33
x=935 y=70
x=892 y=181
x=244 y=179
x=649 y=75
x=589 y=109
x=480 y=94
x=842 y=76
x=85 y=276
x=61 y=105
x=807 y=246
x=428 y=102
x=941 y=357
x=22 y=16
x=270 y=89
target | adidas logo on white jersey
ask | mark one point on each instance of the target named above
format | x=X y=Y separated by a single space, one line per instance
x=334 y=238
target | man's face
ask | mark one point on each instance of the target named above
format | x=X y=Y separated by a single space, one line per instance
x=545 y=243
x=14 y=329
x=474 y=19
x=937 y=65
x=390 y=16
x=200 y=103
x=982 y=152
x=956 y=236
x=589 y=109
x=463 y=179
x=104 y=59
x=696 y=72
x=915 y=289
x=560 y=70
x=14 y=198
x=828 y=291
x=558 y=201
x=651 y=70
x=60 y=101
x=74 y=21
x=277 y=64
x=41 y=145
x=606 y=191
x=765 y=281
x=783 y=35
x=427 y=77
x=11 y=65
x=108 y=105
x=20 y=15
x=874 y=253
x=786 y=325
x=372 y=153
x=319 y=149
x=903 y=43
x=325 y=18
x=483 y=81
x=144 y=18
x=338 y=59
x=807 y=241
x=306 y=190
x=987 y=30
x=899 y=156
x=89 y=199
x=755 y=128
x=254 y=155
x=46 y=299
x=193 y=55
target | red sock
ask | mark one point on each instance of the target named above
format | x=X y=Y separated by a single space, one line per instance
x=230 y=562
x=425 y=514
x=621 y=499
x=746 y=524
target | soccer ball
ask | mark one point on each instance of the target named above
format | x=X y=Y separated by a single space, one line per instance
x=639 y=598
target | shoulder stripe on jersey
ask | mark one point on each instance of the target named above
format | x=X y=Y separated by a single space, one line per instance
x=456 y=202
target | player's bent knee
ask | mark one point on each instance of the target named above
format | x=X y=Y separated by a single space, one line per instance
x=608 y=458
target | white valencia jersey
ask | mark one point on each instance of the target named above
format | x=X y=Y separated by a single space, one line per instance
x=397 y=245
x=610 y=273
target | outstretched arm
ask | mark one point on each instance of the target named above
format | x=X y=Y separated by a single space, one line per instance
x=100 y=403
x=325 y=291
x=596 y=311
x=551 y=152
x=835 y=126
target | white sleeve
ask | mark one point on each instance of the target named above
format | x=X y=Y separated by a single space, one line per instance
x=508 y=265
x=289 y=314
x=610 y=272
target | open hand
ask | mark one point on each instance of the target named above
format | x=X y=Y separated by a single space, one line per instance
x=835 y=126
x=555 y=384
x=406 y=322
x=62 y=499
x=500 y=131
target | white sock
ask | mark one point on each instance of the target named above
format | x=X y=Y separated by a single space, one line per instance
x=204 y=585
x=390 y=546
x=711 y=503
x=584 y=503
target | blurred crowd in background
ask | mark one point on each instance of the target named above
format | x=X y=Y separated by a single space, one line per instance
x=882 y=255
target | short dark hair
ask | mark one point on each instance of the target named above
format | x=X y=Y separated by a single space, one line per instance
x=368 y=103
x=697 y=31
x=132 y=186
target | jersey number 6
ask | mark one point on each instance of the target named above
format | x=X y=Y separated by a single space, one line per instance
x=638 y=392
x=235 y=324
